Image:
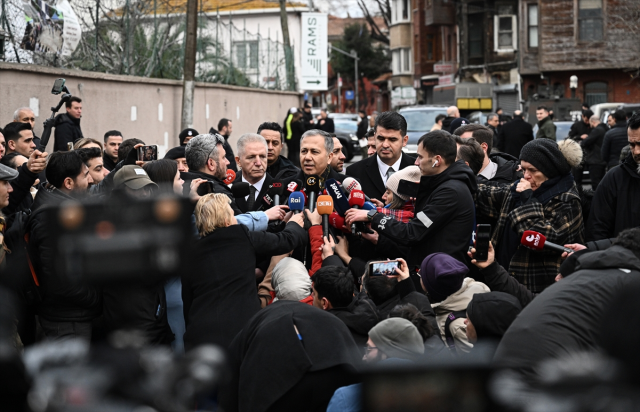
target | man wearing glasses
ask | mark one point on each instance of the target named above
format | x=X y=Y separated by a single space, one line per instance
x=26 y=115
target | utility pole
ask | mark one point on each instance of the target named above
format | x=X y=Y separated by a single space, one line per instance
x=354 y=55
x=189 y=70
x=288 y=55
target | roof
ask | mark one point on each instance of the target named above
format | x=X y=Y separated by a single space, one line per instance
x=338 y=24
x=384 y=77
x=211 y=6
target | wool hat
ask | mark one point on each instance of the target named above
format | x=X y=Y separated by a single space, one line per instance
x=551 y=158
x=187 y=133
x=410 y=173
x=457 y=122
x=7 y=173
x=176 y=153
x=442 y=275
x=134 y=177
x=397 y=338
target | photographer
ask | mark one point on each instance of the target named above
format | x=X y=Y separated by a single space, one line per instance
x=68 y=125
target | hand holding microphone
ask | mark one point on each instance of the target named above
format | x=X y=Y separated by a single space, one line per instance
x=538 y=241
x=325 y=208
x=356 y=201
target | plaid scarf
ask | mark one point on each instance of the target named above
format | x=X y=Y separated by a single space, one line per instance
x=403 y=215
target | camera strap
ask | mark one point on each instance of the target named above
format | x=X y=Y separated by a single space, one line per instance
x=447 y=331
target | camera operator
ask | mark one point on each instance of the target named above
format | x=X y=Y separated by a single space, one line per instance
x=68 y=125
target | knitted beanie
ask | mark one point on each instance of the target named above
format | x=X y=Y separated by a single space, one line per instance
x=458 y=122
x=442 y=275
x=551 y=158
x=410 y=173
x=397 y=338
x=176 y=153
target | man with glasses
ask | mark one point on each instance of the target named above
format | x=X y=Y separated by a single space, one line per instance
x=26 y=115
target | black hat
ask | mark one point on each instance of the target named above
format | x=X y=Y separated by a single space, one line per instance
x=457 y=122
x=187 y=133
x=545 y=156
x=176 y=153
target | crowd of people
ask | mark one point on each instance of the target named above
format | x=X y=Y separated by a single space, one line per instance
x=296 y=303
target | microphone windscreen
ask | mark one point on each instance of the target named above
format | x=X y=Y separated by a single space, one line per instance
x=296 y=201
x=356 y=198
x=312 y=184
x=349 y=184
x=276 y=188
x=533 y=240
x=240 y=189
x=369 y=206
x=337 y=221
x=231 y=176
x=324 y=205
x=340 y=202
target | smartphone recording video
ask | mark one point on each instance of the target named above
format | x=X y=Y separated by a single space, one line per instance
x=483 y=236
x=148 y=153
x=383 y=268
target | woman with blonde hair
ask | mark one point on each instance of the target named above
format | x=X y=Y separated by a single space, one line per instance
x=220 y=293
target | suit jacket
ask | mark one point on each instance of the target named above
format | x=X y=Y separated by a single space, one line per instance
x=367 y=173
x=260 y=203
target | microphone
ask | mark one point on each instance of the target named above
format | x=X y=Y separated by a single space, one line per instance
x=350 y=184
x=356 y=201
x=312 y=187
x=231 y=176
x=294 y=186
x=325 y=208
x=336 y=221
x=296 y=202
x=369 y=206
x=241 y=189
x=340 y=202
x=538 y=241
x=276 y=190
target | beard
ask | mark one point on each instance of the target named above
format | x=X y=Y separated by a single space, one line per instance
x=221 y=172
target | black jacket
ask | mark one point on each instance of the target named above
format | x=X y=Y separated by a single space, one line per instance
x=446 y=123
x=445 y=215
x=218 y=186
x=366 y=172
x=406 y=293
x=283 y=168
x=67 y=131
x=592 y=145
x=566 y=318
x=614 y=206
x=260 y=203
x=20 y=199
x=492 y=313
x=579 y=128
x=220 y=294
x=62 y=299
x=108 y=162
x=328 y=125
x=360 y=316
x=507 y=168
x=614 y=141
x=231 y=157
x=363 y=127
x=514 y=135
x=307 y=118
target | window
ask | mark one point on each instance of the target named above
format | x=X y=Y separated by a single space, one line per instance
x=532 y=20
x=595 y=92
x=405 y=9
x=400 y=10
x=401 y=61
x=590 y=20
x=505 y=35
x=475 y=36
x=246 y=54
x=430 y=48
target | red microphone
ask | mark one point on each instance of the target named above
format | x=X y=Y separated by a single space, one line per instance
x=538 y=241
x=231 y=176
x=337 y=221
x=356 y=201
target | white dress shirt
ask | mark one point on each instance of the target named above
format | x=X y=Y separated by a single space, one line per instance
x=257 y=185
x=384 y=168
x=490 y=171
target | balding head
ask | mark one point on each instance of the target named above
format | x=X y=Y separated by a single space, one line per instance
x=452 y=111
x=594 y=120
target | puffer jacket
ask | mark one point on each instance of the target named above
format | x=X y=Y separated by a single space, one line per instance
x=456 y=302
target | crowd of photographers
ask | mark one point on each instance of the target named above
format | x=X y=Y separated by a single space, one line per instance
x=286 y=274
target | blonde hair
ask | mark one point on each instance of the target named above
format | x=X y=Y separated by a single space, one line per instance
x=80 y=143
x=212 y=213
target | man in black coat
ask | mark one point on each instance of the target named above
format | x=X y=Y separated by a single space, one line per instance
x=614 y=206
x=307 y=117
x=325 y=123
x=445 y=211
x=592 y=146
x=252 y=158
x=225 y=127
x=68 y=125
x=580 y=128
x=363 y=125
x=615 y=140
x=514 y=135
x=278 y=167
x=373 y=172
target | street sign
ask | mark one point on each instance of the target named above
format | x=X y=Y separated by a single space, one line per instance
x=444 y=80
x=443 y=68
x=349 y=95
x=313 y=56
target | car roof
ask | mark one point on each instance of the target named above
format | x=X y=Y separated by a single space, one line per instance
x=416 y=108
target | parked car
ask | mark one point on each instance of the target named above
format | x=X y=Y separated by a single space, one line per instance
x=602 y=110
x=346 y=127
x=562 y=129
x=420 y=120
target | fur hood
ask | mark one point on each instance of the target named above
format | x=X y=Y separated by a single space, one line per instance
x=572 y=151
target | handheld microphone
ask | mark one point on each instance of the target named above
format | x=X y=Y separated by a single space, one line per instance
x=325 y=208
x=312 y=186
x=294 y=186
x=231 y=176
x=296 y=202
x=369 y=206
x=340 y=202
x=350 y=184
x=241 y=189
x=336 y=221
x=276 y=189
x=356 y=201
x=538 y=241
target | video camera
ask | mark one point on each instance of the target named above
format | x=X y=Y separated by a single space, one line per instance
x=58 y=88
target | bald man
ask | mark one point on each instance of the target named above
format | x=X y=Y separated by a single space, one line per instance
x=26 y=115
x=452 y=113
x=514 y=134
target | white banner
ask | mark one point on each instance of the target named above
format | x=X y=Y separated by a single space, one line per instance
x=313 y=57
x=50 y=29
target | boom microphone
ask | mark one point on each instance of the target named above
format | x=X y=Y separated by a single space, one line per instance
x=538 y=241
x=241 y=189
x=231 y=176
x=356 y=201
x=340 y=202
x=325 y=208
x=296 y=202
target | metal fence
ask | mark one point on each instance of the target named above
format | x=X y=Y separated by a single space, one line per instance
x=141 y=38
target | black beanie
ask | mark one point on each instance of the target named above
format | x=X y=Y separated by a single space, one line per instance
x=545 y=156
x=187 y=132
x=176 y=153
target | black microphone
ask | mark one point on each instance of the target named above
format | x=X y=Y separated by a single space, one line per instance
x=240 y=189
x=277 y=190
x=312 y=184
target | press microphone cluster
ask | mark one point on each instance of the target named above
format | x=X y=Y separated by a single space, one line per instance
x=340 y=202
x=312 y=187
x=538 y=241
x=296 y=202
x=231 y=176
x=356 y=201
x=325 y=208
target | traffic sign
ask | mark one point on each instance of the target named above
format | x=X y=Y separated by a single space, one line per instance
x=349 y=95
x=313 y=56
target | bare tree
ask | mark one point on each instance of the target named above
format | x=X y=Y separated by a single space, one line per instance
x=384 y=8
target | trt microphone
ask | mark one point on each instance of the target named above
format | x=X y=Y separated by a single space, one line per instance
x=241 y=189
x=538 y=241
x=296 y=202
x=231 y=176
x=312 y=186
x=340 y=202
x=337 y=221
x=350 y=184
x=356 y=201
x=325 y=208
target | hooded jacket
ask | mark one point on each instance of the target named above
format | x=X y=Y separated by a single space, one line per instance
x=492 y=313
x=546 y=129
x=67 y=131
x=567 y=316
x=456 y=302
x=507 y=168
x=444 y=216
x=614 y=141
x=614 y=206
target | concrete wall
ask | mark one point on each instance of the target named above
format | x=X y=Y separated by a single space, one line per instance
x=109 y=102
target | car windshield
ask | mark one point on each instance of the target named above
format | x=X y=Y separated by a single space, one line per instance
x=421 y=120
x=562 y=130
x=343 y=125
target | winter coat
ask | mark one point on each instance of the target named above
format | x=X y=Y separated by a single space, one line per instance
x=556 y=213
x=592 y=145
x=363 y=127
x=546 y=129
x=456 y=302
x=514 y=135
x=360 y=316
x=406 y=293
x=20 y=199
x=507 y=168
x=614 y=206
x=282 y=168
x=579 y=128
x=498 y=279
x=568 y=316
x=218 y=186
x=220 y=293
x=63 y=300
x=614 y=141
x=67 y=130
x=444 y=216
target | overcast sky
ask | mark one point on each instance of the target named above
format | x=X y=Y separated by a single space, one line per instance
x=341 y=8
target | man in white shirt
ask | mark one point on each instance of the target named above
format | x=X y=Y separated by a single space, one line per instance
x=252 y=165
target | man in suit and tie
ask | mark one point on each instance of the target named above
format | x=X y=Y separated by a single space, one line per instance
x=373 y=172
x=252 y=162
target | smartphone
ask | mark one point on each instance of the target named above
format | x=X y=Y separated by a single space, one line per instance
x=483 y=236
x=69 y=146
x=58 y=86
x=383 y=267
x=148 y=153
x=205 y=188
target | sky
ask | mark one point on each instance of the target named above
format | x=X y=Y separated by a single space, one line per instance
x=341 y=8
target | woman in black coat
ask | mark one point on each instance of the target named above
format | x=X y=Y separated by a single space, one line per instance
x=220 y=293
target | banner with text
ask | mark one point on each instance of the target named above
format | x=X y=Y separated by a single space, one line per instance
x=314 y=56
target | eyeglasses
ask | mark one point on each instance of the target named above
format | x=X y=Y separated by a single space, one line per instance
x=368 y=348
